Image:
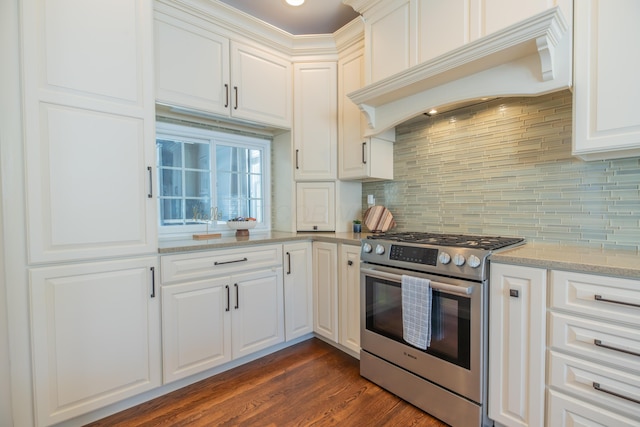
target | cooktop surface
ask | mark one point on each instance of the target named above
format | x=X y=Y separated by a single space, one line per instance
x=454 y=240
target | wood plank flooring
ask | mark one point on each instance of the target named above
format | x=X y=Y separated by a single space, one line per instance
x=308 y=384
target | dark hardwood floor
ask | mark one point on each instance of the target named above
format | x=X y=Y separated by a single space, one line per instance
x=308 y=384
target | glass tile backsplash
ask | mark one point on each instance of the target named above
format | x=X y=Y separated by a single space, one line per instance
x=505 y=167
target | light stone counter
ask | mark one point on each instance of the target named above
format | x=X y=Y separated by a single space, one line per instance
x=168 y=245
x=609 y=262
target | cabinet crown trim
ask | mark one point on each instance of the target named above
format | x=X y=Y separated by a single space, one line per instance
x=531 y=57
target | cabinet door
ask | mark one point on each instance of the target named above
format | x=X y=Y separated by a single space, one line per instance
x=351 y=146
x=517 y=307
x=315 y=132
x=89 y=123
x=192 y=66
x=260 y=86
x=325 y=290
x=95 y=335
x=350 y=297
x=388 y=42
x=606 y=90
x=315 y=206
x=298 y=289
x=196 y=327
x=442 y=26
x=257 y=311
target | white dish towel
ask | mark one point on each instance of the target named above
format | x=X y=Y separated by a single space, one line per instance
x=416 y=311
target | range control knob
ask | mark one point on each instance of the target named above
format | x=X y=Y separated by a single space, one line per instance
x=379 y=249
x=366 y=248
x=444 y=258
x=458 y=260
x=473 y=261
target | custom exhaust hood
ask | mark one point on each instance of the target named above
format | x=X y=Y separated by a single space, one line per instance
x=530 y=58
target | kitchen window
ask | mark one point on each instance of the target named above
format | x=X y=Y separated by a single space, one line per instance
x=207 y=177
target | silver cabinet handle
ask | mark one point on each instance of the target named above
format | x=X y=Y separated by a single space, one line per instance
x=630 y=304
x=226 y=89
x=598 y=387
x=621 y=350
x=150 y=171
x=230 y=262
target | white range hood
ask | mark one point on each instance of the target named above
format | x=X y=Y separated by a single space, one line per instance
x=530 y=58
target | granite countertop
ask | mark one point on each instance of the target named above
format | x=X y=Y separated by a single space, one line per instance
x=610 y=262
x=178 y=245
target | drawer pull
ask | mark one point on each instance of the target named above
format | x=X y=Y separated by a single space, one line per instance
x=599 y=344
x=613 y=393
x=230 y=262
x=630 y=304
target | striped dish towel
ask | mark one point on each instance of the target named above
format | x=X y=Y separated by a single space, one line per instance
x=416 y=311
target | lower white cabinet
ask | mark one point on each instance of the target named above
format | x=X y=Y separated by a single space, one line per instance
x=594 y=352
x=349 y=297
x=517 y=331
x=336 y=294
x=325 y=290
x=298 y=289
x=215 y=318
x=95 y=335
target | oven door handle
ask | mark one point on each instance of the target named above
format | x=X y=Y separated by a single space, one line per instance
x=445 y=287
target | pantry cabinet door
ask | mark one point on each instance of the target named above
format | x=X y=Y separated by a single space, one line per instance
x=89 y=129
x=196 y=327
x=95 y=335
x=257 y=311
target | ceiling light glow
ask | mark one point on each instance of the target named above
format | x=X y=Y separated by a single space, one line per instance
x=295 y=2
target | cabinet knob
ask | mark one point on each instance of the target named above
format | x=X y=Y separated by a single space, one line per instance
x=514 y=293
x=349 y=262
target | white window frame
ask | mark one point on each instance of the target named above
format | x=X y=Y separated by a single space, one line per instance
x=214 y=137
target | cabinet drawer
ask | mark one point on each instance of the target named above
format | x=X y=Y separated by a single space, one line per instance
x=565 y=411
x=601 y=341
x=604 y=297
x=184 y=267
x=619 y=391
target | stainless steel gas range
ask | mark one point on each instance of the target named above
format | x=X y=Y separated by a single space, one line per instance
x=447 y=377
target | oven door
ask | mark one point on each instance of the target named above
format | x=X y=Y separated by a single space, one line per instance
x=455 y=358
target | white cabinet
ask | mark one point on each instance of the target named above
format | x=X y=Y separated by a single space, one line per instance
x=298 y=289
x=365 y=159
x=315 y=134
x=89 y=123
x=594 y=348
x=198 y=69
x=402 y=33
x=349 y=297
x=95 y=335
x=606 y=124
x=325 y=290
x=517 y=331
x=566 y=411
x=316 y=206
x=218 y=306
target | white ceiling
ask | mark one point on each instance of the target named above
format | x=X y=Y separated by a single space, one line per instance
x=312 y=17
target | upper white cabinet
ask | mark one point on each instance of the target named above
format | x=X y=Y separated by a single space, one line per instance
x=316 y=206
x=89 y=124
x=315 y=133
x=198 y=69
x=95 y=335
x=517 y=319
x=360 y=158
x=606 y=90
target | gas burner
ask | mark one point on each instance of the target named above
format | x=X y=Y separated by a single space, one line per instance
x=488 y=243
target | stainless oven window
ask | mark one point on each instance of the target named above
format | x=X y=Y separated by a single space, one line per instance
x=450 y=319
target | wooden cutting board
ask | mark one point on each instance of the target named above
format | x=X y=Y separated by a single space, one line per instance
x=378 y=218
